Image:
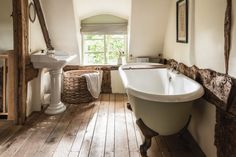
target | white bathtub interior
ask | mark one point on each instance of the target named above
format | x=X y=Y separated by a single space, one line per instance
x=161 y=82
x=161 y=97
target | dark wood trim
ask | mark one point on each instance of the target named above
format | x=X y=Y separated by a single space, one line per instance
x=220 y=89
x=227 y=33
x=20 y=24
x=92 y=67
x=40 y=15
x=225 y=134
x=31 y=72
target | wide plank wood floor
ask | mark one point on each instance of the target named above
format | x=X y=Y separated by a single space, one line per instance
x=104 y=128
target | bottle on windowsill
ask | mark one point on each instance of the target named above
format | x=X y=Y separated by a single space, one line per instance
x=131 y=59
x=119 y=61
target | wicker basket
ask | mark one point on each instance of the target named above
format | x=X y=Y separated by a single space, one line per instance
x=75 y=89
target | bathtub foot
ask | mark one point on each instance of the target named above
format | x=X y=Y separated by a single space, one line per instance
x=148 y=134
x=129 y=107
x=182 y=131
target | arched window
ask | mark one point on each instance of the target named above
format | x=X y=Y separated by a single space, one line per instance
x=104 y=37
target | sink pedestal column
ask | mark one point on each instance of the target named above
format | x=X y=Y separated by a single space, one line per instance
x=56 y=106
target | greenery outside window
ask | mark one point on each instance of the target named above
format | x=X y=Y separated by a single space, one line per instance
x=103 y=49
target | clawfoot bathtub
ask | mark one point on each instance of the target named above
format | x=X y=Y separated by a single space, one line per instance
x=160 y=98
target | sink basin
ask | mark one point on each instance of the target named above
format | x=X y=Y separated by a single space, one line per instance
x=58 y=60
x=54 y=61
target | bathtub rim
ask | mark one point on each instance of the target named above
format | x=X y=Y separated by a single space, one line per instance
x=190 y=96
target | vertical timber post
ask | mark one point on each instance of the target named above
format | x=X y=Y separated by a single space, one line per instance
x=20 y=25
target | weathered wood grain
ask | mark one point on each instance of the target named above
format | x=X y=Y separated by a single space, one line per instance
x=133 y=144
x=30 y=72
x=88 y=136
x=232 y=99
x=172 y=63
x=219 y=88
x=43 y=25
x=227 y=33
x=50 y=144
x=20 y=26
x=36 y=140
x=121 y=141
x=110 y=136
x=87 y=130
x=225 y=134
x=99 y=138
x=106 y=81
x=17 y=140
x=191 y=72
x=90 y=110
x=90 y=67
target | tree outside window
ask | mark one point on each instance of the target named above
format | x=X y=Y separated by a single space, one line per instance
x=103 y=49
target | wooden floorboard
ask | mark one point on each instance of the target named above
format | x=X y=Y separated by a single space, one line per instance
x=103 y=128
x=89 y=111
x=121 y=137
x=88 y=137
x=98 y=142
x=132 y=140
x=64 y=147
x=12 y=145
x=37 y=139
x=110 y=136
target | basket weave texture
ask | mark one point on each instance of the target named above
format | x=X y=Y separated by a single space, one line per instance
x=75 y=89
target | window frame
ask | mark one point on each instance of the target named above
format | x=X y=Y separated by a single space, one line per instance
x=105 y=47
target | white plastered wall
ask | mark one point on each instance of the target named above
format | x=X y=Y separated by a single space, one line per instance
x=148 y=26
x=206 y=50
x=36 y=43
x=61 y=22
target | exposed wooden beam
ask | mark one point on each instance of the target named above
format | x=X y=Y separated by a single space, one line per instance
x=20 y=25
x=43 y=24
x=227 y=33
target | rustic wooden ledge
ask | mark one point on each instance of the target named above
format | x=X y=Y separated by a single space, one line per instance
x=91 y=67
x=220 y=90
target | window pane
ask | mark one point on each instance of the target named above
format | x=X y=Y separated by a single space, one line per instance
x=116 y=45
x=94 y=58
x=117 y=36
x=91 y=37
x=103 y=49
x=112 y=58
x=93 y=46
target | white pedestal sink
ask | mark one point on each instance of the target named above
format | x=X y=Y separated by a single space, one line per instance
x=54 y=62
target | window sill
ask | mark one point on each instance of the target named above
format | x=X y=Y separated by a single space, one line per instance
x=78 y=67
